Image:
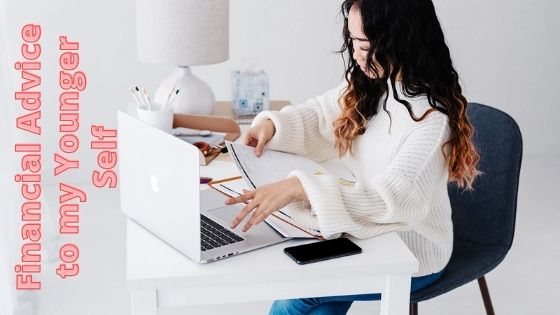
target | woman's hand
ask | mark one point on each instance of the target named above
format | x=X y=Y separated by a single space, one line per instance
x=267 y=199
x=259 y=135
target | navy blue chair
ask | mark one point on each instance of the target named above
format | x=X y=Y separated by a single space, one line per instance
x=484 y=218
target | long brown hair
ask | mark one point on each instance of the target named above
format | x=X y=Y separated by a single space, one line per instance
x=406 y=39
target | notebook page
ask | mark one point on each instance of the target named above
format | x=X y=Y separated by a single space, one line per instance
x=271 y=166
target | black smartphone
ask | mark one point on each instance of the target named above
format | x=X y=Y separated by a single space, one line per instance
x=323 y=250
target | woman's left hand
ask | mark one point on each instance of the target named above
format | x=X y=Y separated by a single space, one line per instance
x=267 y=199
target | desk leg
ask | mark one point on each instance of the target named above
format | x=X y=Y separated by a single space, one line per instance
x=144 y=302
x=396 y=298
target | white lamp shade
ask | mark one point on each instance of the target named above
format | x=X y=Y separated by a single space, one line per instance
x=182 y=32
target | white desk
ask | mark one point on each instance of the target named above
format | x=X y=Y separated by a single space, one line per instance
x=161 y=277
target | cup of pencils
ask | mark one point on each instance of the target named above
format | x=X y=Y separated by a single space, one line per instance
x=161 y=118
x=159 y=115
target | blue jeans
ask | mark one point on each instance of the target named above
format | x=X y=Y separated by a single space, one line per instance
x=336 y=305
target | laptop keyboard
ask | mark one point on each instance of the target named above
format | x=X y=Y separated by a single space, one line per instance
x=213 y=235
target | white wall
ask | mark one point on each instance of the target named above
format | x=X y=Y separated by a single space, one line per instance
x=292 y=40
x=506 y=53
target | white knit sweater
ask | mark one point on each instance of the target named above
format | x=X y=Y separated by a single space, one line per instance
x=400 y=171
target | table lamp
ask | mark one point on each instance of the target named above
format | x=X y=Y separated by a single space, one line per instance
x=184 y=33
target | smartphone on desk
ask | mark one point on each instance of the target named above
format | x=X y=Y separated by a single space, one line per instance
x=323 y=250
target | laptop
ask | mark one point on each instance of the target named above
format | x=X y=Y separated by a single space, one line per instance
x=160 y=190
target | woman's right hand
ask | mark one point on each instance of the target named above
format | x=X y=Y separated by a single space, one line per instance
x=259 y=135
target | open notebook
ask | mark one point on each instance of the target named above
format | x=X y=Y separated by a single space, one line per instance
x=271 y=166
x=279 y=220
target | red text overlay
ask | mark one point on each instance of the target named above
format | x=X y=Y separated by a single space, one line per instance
x=72 y=82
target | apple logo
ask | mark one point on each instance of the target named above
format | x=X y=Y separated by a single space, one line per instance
x=154 y=182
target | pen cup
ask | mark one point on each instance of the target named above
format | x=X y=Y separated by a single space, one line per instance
x=161 y=119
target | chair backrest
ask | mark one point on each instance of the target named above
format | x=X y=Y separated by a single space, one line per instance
x=486 y=215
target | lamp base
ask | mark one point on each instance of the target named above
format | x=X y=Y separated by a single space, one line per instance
x=195 y=96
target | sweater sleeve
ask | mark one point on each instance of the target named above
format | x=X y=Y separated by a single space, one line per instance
x=395 y=200
x=306 y=129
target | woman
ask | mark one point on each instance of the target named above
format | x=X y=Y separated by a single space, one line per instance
x=399 y=124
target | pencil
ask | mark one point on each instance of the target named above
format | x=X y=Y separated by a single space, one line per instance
x=168 y=97
x=139 y=96
x=135 y=97
x=147 y=98
x=172 y=99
